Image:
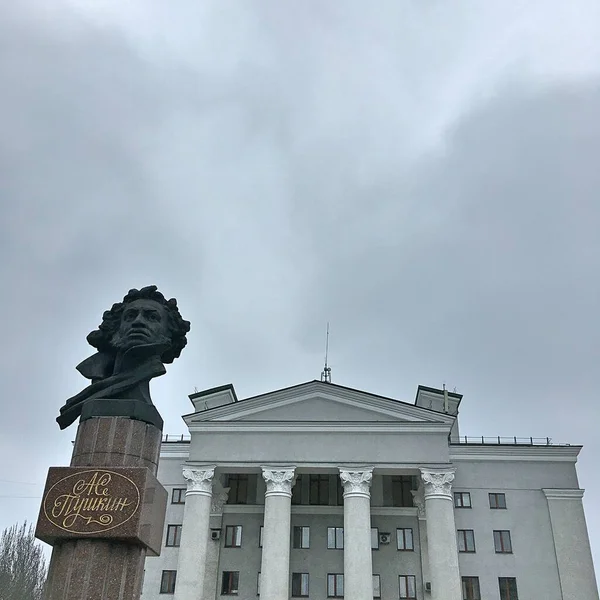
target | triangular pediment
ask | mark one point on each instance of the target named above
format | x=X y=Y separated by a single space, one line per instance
x=322 y=403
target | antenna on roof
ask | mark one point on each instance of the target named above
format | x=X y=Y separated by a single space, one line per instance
x=326 y=373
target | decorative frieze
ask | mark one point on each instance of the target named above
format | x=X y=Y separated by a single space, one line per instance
x=279 y=481
x=437 y=483
x=219 y=498
x=419 y=500
x=356 y=483
x=199 y=481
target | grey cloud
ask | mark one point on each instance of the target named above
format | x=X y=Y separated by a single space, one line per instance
x=427 y=195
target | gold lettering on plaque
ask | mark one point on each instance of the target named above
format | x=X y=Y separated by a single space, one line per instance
x=91 y=501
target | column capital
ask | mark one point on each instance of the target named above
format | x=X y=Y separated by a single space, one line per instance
x=356 y=482
x=437 y=483
x=199 y=480
x=279 y=480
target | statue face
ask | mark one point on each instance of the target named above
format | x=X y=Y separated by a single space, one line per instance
x=142 y=322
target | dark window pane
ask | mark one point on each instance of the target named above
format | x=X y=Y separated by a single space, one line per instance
x=508 y=588
x=502 y=542
x=229 y=584
x=167 y=582
x=470 y=588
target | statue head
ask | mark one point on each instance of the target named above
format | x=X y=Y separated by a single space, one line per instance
x=144 y=318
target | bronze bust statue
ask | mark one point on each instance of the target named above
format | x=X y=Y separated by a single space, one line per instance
x=136 y=338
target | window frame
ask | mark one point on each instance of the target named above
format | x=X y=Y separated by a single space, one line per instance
x=260 y=536
x=462 y=496
x=168 y=579
x=496 y=496
x=336 y=536
x=180 y=495
x=303 y=577
x=176 y=541
x=501 y=537
x=407 y=579
x=506 y=594
x=337 y=577
x=376 y=588
x=463 y=535
x=474 y=593
x=401 y=533
x=236 y=536
x=234 y=576
x=300 y=539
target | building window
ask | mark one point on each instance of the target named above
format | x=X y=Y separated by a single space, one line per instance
x=508 y=588
x=260 y=536
x=335 y=585
x=470 y=588
x=167 y=582
x=258 y=584
x=408 y=587
x=497 y=500
x=401 y=488
x=173 y=535
x=233 y=536
x=238 y=489
x=230 y=583
x=404 y=538
x=299 y=585
x=376 y=586
x=502 y=543
x=335 y=538
x=301 y=537
x=462 y=499
x=374 y=538
x=178 y=496
x=466 y=540
x=319 y=489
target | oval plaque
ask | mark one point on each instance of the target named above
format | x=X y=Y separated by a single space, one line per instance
x=91 y=502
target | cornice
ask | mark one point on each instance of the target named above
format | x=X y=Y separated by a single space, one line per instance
x=563 y=494
x=492 y=452
x=320 y=426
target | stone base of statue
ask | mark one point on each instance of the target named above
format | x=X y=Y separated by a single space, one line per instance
x=105 y=512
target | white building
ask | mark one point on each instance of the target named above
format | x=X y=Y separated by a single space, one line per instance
x=322 y=491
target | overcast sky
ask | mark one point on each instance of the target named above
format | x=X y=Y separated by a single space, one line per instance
x=424 y=175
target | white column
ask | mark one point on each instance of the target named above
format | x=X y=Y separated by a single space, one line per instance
x=275 y=564
x=219 y=498
x=572 y=544
x=191 y=564
x=419 y=501
x=358 y=558
x=441 y=534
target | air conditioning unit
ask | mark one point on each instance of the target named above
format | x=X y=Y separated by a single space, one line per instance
x=428 y=586
x=215 y=535
x=384 y=538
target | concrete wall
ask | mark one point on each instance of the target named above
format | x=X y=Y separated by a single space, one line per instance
x=337 y=448
x=170 y=475
x=533 y=561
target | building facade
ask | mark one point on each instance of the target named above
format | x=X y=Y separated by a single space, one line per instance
x=320 y=491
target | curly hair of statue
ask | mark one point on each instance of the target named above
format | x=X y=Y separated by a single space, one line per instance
x=101 y=338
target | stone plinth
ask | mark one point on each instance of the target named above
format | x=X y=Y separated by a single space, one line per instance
x=102 y=569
